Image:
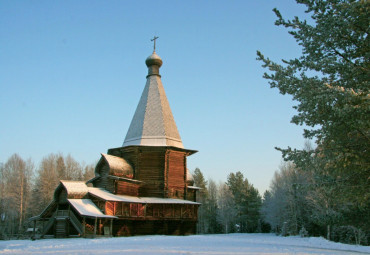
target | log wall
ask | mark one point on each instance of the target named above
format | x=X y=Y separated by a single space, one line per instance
x=103 y=181
x=150 y=170
x=176 y=174
x=126 y=188
x=166 y=227
x=191 y=195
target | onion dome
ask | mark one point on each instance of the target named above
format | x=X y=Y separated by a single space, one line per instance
x=153 y=59
x=153 y=62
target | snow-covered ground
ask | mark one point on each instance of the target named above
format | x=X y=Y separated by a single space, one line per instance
x=197 y=244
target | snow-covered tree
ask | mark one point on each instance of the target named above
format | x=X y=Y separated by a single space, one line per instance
x=226 y=208
x=17 y=183
x=285 y=204
x=212 y=208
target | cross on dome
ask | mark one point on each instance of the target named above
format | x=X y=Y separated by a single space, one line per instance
x=153 y=40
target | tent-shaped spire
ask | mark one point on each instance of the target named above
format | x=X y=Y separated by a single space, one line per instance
x=153 y=123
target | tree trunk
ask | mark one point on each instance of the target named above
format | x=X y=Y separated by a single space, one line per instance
x=21 y=205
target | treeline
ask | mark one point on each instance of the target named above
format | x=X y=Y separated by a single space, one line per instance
x=228 y=207
x=311 y=202
x=25 y=190
x=299 y=202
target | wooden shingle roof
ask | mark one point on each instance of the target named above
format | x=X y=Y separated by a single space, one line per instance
x=153 y=123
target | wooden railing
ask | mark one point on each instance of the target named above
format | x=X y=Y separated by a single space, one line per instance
x=62 y=213
x=49 y=224
x=76 y=223
x=151 y=211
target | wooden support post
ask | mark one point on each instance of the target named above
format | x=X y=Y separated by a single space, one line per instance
x=84 y=227
x=145 y=205
x=111 y=227
x=185 y=178
x=34 y=229
x=95 y=224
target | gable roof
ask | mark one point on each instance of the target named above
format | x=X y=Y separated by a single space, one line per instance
x=75 y=189
x=153 y=123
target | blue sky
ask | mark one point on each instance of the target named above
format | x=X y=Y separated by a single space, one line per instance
x=72 y=72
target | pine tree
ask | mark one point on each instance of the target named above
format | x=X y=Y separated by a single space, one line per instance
x=199 y=181
x=330 y=83
x=247 y=201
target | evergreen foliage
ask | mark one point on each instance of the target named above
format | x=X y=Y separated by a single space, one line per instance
x=247 y=202
x=228 y=207
x=330 y=83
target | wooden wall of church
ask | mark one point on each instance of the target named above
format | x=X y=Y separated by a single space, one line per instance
x=150 y=170
x=110 y=186
x=109 y=208
x=191 y=195
x=176 y=174
x=126 y=188
x=103 y=181
x=146 y=227
x=161 y=169
x=62 y=199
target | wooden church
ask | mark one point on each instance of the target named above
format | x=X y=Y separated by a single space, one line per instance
x=143 y=187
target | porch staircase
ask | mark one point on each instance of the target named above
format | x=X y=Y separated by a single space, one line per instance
x=60 y=220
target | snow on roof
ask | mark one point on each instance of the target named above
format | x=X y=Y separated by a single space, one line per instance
x=31 y=229
x=103 y=194
x=118 y=166
x=124 y=179
x=193 y=187
x=85 y=207
x=189 y=176
x=75 y=189
x=153 y=123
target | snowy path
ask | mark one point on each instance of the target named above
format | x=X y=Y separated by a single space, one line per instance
x=199 y=244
